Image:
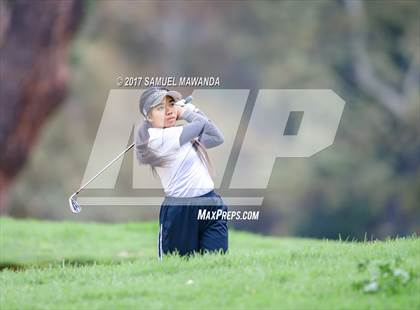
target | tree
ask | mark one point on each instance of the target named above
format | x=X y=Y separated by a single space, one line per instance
x=34 y=41
x=398 y=100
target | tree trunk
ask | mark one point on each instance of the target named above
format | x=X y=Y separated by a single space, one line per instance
x=34 y=42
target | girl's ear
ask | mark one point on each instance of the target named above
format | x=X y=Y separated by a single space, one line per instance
x=147 y=118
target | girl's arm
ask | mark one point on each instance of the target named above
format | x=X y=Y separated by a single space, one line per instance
x=199 y=125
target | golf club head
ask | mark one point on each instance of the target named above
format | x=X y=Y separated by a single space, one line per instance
x=74 y=206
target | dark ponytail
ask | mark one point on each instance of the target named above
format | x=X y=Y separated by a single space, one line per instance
x=204 y=157
x=145 y=155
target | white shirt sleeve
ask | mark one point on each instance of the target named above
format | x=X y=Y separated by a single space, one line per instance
x=165 y=140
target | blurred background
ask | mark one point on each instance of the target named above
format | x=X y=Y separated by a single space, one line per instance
x=59 y=59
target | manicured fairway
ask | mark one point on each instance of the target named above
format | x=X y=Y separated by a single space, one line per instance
x=66 y=265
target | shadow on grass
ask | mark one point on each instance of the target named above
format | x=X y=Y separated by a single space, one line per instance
x=66 y=262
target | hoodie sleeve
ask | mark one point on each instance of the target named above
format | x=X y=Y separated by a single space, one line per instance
x=201 y=127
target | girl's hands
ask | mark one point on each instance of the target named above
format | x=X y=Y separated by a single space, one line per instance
x=179 y=111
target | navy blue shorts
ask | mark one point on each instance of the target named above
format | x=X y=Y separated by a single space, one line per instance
x=180 y=230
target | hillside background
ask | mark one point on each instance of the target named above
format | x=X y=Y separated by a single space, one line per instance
x=366 y=184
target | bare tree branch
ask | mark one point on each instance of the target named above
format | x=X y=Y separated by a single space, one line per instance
x=395 y=101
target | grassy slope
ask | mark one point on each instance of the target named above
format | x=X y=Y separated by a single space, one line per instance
x=102 y=266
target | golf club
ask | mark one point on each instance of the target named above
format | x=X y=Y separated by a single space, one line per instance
x=74 y=205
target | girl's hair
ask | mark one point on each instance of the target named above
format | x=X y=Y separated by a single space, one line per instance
x=204 y=157
x=147 y=156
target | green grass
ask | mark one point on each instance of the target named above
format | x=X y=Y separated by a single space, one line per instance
x=66 y=265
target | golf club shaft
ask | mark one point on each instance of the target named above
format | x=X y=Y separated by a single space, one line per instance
x=115 y=159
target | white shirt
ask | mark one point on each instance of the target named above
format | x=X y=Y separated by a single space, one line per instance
x=186 y=175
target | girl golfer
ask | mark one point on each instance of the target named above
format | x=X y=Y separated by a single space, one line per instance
x=178 y=155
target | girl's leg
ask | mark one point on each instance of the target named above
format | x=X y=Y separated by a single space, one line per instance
x=214 y=233
x=179 y=229
x=160 y=231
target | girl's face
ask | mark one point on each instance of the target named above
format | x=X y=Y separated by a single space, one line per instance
x=165 y=114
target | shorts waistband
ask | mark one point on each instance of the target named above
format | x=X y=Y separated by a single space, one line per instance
x=209 y=199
